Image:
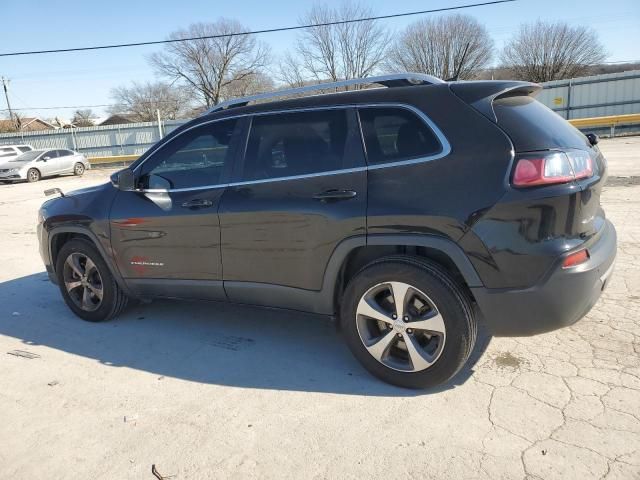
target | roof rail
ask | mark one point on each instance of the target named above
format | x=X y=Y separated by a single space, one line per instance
x=392 y=80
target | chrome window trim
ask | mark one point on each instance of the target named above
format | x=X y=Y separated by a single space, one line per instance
x=446 y=146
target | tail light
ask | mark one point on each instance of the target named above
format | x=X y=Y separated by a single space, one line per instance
x=551 y=167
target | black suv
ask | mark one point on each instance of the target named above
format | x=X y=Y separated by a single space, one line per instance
x=407 y=212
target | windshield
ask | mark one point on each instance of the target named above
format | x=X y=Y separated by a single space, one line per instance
x=28 y=156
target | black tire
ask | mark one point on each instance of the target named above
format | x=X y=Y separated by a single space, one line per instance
x=78 y=169
x=33 y=175
x=452 y=302
x=113 y=300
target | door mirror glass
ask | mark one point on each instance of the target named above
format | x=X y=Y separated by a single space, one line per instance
x=124 y=180
x=44 y=159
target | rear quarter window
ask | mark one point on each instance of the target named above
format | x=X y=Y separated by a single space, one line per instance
x=532 y=126
x=394 y=134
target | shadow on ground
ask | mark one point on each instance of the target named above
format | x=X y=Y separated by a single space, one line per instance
x=205 y=342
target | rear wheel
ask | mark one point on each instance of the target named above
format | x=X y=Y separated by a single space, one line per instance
x=78 y=169
x=33 y=175
x=86 y=283
x=408 y=322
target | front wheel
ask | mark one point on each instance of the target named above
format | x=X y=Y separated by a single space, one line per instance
x=408 y=322
x=33 y=175
x=86 y=283
x=78 y=169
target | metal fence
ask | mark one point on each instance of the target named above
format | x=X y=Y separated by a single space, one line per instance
x=125 y=139
x=596 y=96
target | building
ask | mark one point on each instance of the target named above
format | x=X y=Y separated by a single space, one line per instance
x=26 y=124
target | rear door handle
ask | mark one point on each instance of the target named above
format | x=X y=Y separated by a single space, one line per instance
x=198 y=203
x=330 y=195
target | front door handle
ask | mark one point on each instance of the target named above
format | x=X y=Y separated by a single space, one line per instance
x=333 y=195
x=198 y=203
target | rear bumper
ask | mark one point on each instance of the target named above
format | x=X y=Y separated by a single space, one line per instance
x=562 y=298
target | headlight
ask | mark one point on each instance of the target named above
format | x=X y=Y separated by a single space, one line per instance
x=14 y=170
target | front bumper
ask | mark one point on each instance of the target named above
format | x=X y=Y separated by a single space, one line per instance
x=12 y=176
x=562 y=298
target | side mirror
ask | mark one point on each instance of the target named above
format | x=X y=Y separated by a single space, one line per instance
x=593 y=138
x=124 y=180
x=44 y=159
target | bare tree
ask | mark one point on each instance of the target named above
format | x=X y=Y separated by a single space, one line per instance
x=83 y=118
x=542 y=51
x=290 y=71
x=142 y=100
x=12 y=123
x=336 y=52
x=442 y=47
x=250 y=85
x=210 y=66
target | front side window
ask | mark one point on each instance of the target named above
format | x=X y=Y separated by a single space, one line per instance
x=195 y=158
x=394 y=134
x=50 y=155
x=64 y=153
x=296 y=143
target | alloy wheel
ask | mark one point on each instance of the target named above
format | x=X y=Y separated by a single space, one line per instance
x=34 y=176
x=79 y=169
x=400 y=326
x=83 y=282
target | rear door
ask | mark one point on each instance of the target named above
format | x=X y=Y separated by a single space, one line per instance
x=166 y=235
x=300 y=191
x=66 y=160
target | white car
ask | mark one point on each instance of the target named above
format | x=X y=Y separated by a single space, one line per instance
x=36 y=164
x=8 y=152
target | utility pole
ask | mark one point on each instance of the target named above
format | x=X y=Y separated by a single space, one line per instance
x=159 y=123
x=5 y=81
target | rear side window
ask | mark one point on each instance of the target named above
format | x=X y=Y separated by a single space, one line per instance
x=396 y=134
x=7 y=152
x=64 y=153
x=532 y=126
x=297 y=143
x=197 y=158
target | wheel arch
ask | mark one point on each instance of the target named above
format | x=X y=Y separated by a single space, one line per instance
x=351 y=255
x=60 y=235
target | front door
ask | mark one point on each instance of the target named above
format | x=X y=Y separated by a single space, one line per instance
x=300 y=191
x=166 y=234
x=48 y=163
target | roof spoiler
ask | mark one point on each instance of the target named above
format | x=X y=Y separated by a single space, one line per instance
x=480 y=95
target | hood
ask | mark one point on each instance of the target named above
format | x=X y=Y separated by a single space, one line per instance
x=88 y=190
x=11 y=164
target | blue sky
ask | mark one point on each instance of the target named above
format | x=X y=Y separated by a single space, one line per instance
x=86 y=78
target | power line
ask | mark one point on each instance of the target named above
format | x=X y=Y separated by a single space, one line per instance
x=255 y=32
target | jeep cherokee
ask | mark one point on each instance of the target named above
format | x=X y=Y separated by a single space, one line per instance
x=407 y=212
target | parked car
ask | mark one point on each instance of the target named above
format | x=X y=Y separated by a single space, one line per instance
x=408 y=213
x=7 y=152
x=36 y=164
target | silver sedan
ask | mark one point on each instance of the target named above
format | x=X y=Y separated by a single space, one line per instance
x=36 y=164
